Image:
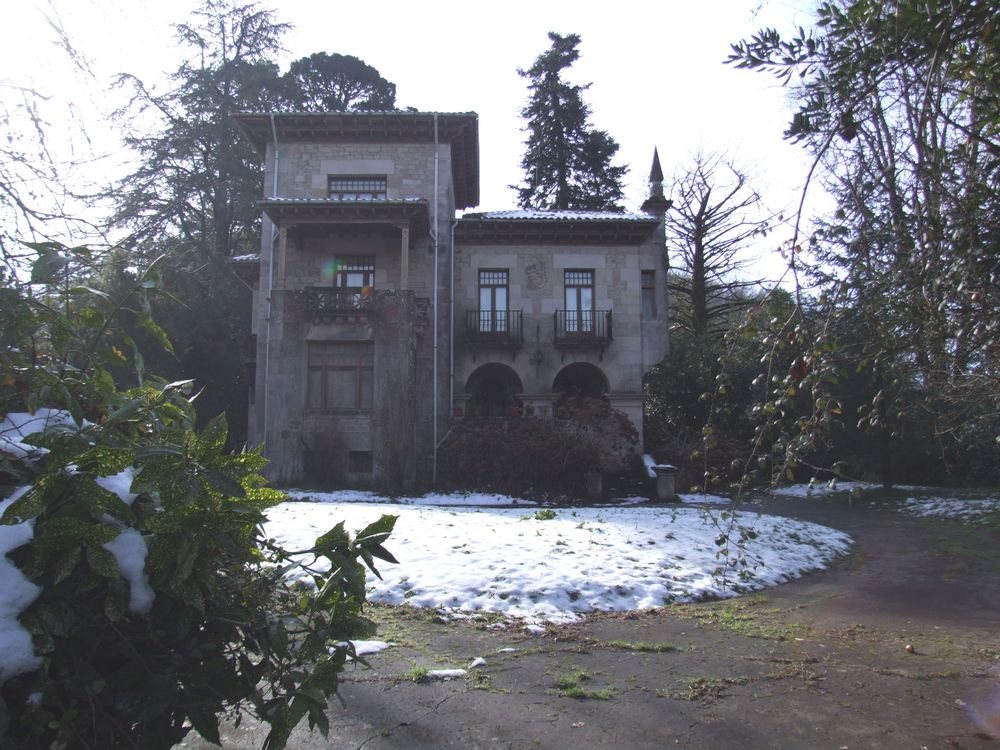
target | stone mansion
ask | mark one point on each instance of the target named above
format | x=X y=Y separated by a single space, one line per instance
x=381 y=314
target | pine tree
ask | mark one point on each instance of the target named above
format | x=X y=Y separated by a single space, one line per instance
x=567 y=162
x=325 y=82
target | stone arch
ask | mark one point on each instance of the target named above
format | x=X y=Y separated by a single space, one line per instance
x=494 y=391
x=581 y=379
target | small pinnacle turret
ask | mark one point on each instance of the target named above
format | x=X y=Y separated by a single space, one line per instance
x=656 y=204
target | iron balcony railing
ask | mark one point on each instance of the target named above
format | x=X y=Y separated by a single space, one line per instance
x=340 y=300
x=582 y=328
x=494 y=327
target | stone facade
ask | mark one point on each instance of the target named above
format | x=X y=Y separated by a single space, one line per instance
x=379 y=316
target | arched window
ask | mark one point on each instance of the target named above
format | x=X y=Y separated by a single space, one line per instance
x=494 y=390
x=580 y=380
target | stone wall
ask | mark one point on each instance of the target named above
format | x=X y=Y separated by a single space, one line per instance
x=537 y=288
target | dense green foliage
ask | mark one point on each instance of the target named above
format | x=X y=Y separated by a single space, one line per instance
x=225 y=629
x=567 y=162
x=899 y=103
x=336 y=83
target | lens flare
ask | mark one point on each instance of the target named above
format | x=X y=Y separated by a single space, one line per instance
x=984 y=707
x=329 y=270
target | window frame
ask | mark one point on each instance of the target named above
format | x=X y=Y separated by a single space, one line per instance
x=354 y=264
x=353 y=188
x=495 y=318
x=324 y=362
x=647 y=279
x=579 y=317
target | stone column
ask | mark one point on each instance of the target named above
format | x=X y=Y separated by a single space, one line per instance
x=665 y=475
x=404 y=258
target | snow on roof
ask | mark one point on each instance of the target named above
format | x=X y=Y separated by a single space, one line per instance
x=337 y=202
x=360 y=113
x=554 y=215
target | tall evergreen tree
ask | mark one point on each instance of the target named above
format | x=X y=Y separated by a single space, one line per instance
x=192 y=197
x=567 y=162
x=197 y=180
x=325 y=82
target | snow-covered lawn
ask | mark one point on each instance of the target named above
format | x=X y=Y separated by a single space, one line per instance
x=821 y=489
x=966 y=510
x=552 y=564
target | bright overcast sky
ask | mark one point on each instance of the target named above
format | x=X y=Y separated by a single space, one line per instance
x=655 y=67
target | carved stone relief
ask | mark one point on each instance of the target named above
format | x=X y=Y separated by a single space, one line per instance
x=536 y=272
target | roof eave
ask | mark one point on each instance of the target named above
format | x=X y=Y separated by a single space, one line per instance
x=557 y=232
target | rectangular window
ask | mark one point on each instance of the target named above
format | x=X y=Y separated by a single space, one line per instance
x=493 y=294
x=340 y=376
x=649 y=294
x=357 y=188
x=579 y=301
x=354 y=271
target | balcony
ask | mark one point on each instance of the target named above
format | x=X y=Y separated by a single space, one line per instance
x=497 y=329
x=582 y=329
x=339 y=302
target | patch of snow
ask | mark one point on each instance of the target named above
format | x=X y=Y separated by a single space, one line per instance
x=458 y=499
x=651 y=466
x=362 y=648
x=129 y=549
x=120 y=484
x=705 y=500
x=583 y=560
x=477 y=662
x=967 y=510
x=18 y=425
x=631 y=500
x=822 y=488
x=507 y=650
x=445 y=674
x=17 y=654
x=555 y=215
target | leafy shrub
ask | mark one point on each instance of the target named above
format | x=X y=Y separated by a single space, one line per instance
x=551 y=456
x=521 y=456
x=209 y=622
x=610 y=431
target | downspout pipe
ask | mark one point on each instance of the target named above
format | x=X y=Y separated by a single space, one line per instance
x=437 y=285
x=451 y=321
x=270 y=282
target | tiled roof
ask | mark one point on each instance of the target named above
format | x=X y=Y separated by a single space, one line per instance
x=359 y=113
x=336 y=202
x=555 y=215
x=555 y=227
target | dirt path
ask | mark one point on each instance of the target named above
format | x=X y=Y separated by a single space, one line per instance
x=818 y=663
